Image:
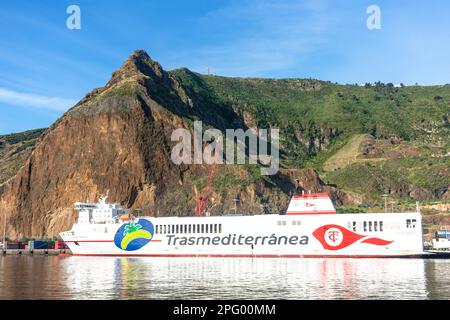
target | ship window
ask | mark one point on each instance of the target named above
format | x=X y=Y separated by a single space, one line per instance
x=408 y=223
x=185 y=228
x=220 y=228
x=211 y=230
x=202 y=228
x=215 y=228
x=365 y=226
x=173 y=228
x=381 y=225
x=370 y=226
x=354 y=225
x=413 y=224
x=189 y=228
x=156 y=229
x=198 y=228
x=375 y=226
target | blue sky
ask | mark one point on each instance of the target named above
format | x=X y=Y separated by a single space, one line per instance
x=45 y=68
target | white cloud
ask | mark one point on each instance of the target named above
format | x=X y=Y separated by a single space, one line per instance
x=23 y=99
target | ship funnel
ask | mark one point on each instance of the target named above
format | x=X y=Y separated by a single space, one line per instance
x=311 y=203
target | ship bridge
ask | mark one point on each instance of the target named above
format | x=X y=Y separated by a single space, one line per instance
x=310 y=203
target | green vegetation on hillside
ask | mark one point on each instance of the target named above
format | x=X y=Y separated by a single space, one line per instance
x=14 y=149
x=403 y=177
x=325 y=125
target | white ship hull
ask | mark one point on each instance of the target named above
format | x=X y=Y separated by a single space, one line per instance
x=288 y=236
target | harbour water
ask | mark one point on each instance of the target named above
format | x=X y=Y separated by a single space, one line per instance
x=69 y=277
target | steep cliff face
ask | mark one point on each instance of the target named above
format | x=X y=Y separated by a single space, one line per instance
x=14 y=151
x=117 y=140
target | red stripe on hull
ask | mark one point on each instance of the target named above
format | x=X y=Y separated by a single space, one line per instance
x=309 y=212
x=250 y=255
x=72 y=241
x=81 y=241
x=312 y=196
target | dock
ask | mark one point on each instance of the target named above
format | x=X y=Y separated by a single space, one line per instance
x=437 y=254
x=35 y=252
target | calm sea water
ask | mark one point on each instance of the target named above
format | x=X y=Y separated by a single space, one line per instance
x=47 y=277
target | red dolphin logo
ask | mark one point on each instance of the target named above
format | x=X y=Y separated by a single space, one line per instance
x=334 y=237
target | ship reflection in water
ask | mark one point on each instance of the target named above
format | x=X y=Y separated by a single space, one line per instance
x=24 y=277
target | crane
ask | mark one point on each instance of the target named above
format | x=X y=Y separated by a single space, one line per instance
x=201 y=199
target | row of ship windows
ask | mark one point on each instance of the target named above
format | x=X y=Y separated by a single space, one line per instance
x=411 y=223
x=188 y=228
x=370 y=226
x=367 y=225
x=378 y=225
x=294 y=222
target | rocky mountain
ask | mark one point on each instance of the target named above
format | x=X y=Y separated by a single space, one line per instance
x=117 y=140
x=364 y=141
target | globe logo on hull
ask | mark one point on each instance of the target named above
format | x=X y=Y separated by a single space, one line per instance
x=134 y=235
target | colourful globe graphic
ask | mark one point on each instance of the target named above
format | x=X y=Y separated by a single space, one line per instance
x=134 y=235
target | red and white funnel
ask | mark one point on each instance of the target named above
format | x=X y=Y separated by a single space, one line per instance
x=311 y=203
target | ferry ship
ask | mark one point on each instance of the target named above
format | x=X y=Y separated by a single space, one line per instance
x=309 y=228
x=442 y=239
